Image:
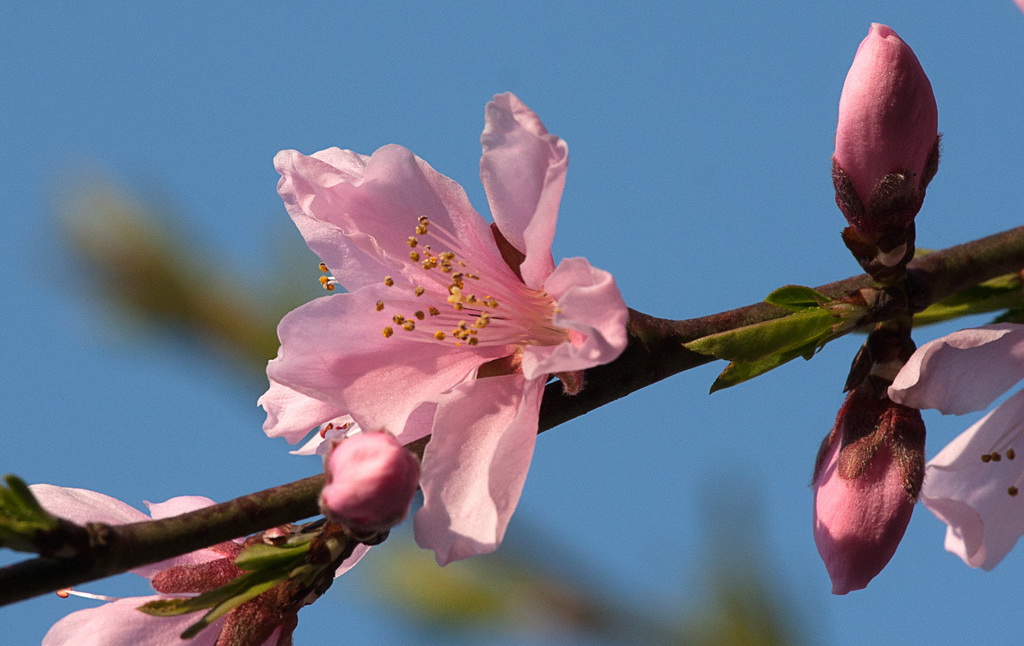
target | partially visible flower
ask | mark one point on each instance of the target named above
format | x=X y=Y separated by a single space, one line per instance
x=1020 y=4
x=120 y=621
x=887 y=148
x=451 y=326
x=371 y=480
x=974 y=483
x=866 y=481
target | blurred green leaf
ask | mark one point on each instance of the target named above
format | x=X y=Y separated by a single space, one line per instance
x=22 y=517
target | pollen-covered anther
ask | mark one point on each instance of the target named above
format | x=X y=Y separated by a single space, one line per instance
x=409 y=326
x=380 y=305
x=473 y=340
x=398 y=319
x=433 y=311
x=419 y=315
x=414 y=256
x=419 y=290
x=439 y=335
x=429 y=263
x=412 y=241
x=323 y=268
x=389 y=281
x=387 y=332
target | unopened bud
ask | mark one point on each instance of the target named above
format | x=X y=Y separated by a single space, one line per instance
x=371 y=479
x=866 y=480
x=887 y=150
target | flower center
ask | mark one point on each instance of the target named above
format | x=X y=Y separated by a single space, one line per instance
x=461 y=295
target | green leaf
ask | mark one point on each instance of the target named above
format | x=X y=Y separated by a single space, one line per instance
x=261 y=556
x=738 y=372
x=22 y=517
x=240 y=587
x=753 y=342
x=1002 y=292
x=796 y=298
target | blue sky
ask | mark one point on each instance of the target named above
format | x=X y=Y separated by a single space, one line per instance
x=699 y=137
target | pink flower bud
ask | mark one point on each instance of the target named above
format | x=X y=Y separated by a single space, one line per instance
x=866 y=481
x=887 y=150
x=371 y=479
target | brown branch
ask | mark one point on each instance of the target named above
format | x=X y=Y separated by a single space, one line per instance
x=655 y=352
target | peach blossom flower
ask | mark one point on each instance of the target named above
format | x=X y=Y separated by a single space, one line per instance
x=450 y=327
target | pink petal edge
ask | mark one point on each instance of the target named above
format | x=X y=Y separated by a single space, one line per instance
x=964 y=371
x=475 y=465
x=523 y=172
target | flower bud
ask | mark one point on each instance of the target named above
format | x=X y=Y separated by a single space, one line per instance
x=371 y=479
x=867 y=477
x=887 y=149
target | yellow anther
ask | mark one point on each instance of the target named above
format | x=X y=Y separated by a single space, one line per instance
x=412 y=241
x=324 y=280
x=419 y=315
x=421 y=230
x=429 y=263
x=419 y=290
x=473 y=276
x=323 y=268
x=329 y=287
x=423 y=219
x=409 y=326
x=433 y=311
x=446 y=256
x=398 y=319
x=387 y=332
x=473 y=340
x=389 y=281
x=380 y=305
x=439 y=335
x=414 y=256
x=458 y=307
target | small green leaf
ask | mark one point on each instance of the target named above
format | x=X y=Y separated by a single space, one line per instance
x=22 y=517
x=214 y=598
x=797 y=298
x=753 y=342
x=738 y=372
x=260 y=556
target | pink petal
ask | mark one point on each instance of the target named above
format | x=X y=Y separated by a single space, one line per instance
x=475 y=465
x=523 y=172
x=291 y=414
x=972 y=496
x=82 y=506
x=120 y=623
x=177 y=506
x=357 y=212
x=963 y=371
x=591 y=307
x=357 y=555
x=333 y=351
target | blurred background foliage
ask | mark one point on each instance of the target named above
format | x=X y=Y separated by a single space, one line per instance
x=135 y=254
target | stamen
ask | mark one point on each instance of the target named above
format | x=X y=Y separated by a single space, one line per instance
x=64 y=593
x=1013 y=491
x=323 y=268
x=389 y=281
x=387 y=332
x=380 y=305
